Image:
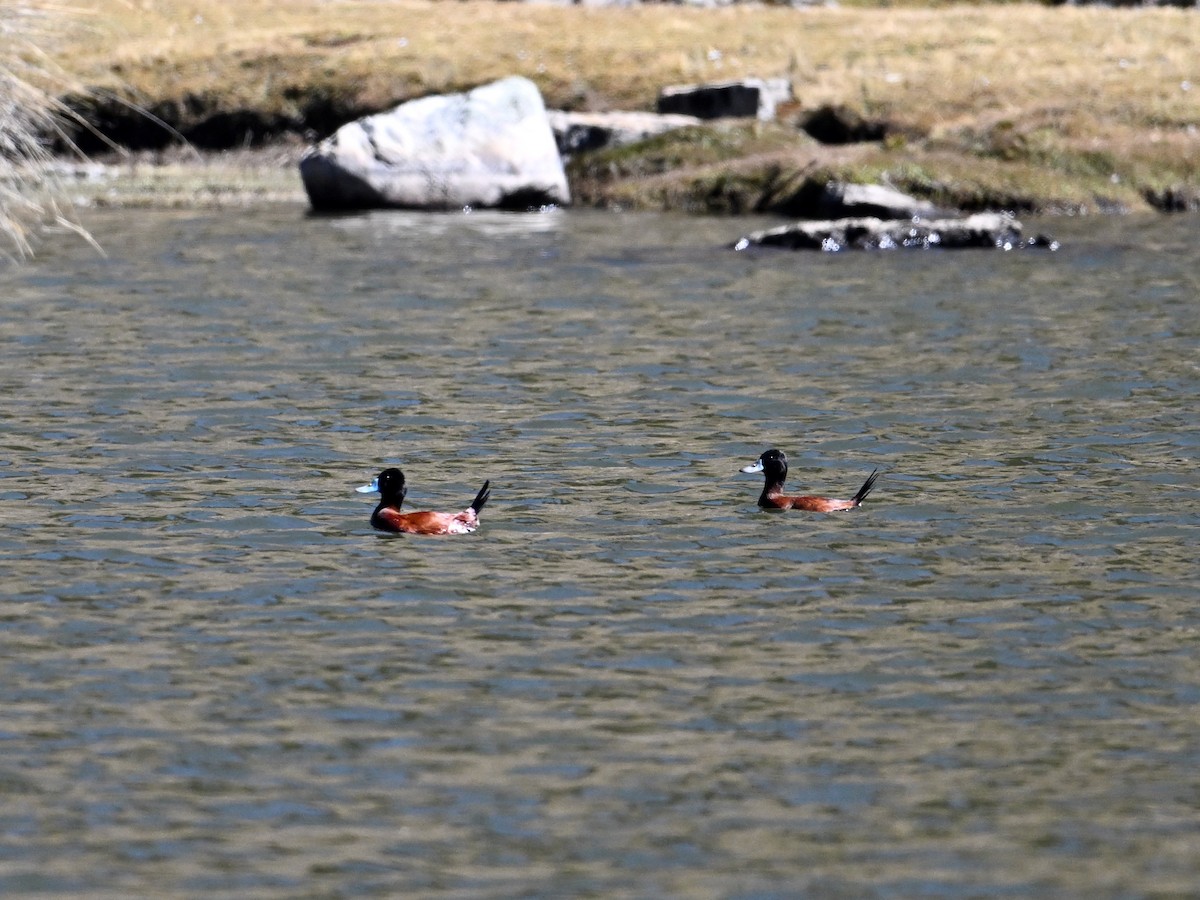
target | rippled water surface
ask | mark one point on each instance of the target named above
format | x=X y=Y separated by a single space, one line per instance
x=217 y=680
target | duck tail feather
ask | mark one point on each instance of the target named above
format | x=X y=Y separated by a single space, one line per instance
x=866 y=488
x=482 y=497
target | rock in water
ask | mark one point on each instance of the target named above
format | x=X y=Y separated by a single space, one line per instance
x=995 y=230
x=490 y=147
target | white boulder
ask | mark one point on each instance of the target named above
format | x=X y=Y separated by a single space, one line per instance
x=490 y=147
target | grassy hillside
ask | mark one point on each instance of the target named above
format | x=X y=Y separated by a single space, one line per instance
x=1023 y=105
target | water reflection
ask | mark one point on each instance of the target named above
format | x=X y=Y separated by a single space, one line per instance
x=468 y=225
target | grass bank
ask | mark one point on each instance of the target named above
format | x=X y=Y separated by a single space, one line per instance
x=1018 y=105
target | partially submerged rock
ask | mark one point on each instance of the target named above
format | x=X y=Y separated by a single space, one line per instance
x=991 y=230
x=490 y=147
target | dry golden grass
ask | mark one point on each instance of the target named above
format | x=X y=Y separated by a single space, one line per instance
x=1082 y=94
x=30 y=195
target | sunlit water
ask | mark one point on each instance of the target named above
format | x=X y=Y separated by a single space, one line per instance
x=216 y=680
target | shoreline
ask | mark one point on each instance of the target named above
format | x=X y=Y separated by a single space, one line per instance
x=182 y=177
x=1092 y=110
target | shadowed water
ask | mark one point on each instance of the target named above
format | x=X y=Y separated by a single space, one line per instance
x=217 y=680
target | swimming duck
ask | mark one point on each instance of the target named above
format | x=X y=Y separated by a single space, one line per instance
x=773 y=465
x=387 y=516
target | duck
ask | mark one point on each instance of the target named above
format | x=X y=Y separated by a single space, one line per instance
x=387 y=516
x=773 y=465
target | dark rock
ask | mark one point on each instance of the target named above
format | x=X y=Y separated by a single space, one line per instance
x=751 y=97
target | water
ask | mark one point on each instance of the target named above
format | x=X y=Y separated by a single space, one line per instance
x=216 y=680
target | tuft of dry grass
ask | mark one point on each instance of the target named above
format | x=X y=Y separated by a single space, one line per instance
x=1076 y=96
x=29 y=110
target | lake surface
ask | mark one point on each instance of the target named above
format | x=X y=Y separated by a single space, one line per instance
x=217 y=680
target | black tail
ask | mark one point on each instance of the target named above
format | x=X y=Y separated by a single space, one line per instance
x=866 y=488
x=482 y=497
